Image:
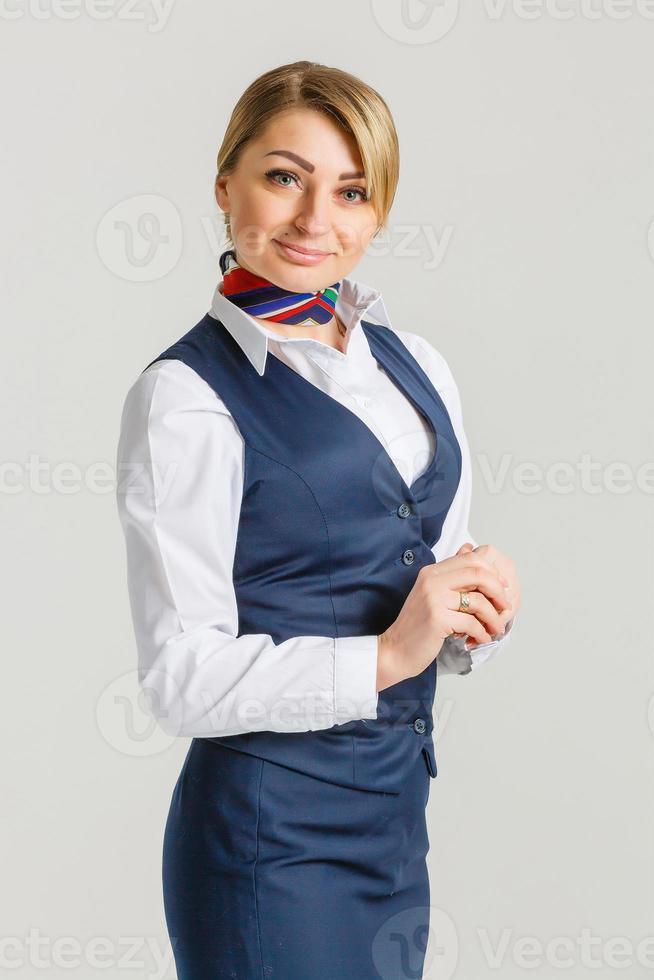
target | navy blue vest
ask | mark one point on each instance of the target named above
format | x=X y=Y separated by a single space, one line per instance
x=330 y=539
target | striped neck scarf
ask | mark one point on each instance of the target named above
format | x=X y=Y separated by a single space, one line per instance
x=262 y=298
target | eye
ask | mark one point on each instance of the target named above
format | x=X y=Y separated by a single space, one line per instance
x=272 y=175
x=356 y=190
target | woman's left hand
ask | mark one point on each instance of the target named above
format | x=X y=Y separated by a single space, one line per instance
x=507 y=572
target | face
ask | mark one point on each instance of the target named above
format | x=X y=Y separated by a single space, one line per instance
x=300 y=182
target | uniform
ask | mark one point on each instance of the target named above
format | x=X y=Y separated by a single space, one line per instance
x=301 y=854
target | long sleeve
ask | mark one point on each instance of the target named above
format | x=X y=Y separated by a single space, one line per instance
x=454 y=658
x=180 y=463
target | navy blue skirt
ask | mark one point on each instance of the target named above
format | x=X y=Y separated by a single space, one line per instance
x=272 y=874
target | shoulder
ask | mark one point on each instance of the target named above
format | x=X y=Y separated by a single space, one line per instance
x=437 y=369
x=170 y=385
x=172 y=417
x=430 y=360
x=169 y=405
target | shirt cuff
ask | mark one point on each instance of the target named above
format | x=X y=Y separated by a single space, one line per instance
x=355 y=678
x=456 y=658
x=480 y=652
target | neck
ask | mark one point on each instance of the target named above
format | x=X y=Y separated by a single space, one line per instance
x=283 y=310
x=333 y=333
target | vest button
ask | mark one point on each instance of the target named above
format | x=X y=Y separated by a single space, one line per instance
x=408 y=557
x=403 y=510
x=419 y=726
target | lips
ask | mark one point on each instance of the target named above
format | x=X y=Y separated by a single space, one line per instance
x=302 y=249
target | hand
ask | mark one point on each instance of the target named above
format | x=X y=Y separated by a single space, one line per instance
x=507 y=574
x=431 y=613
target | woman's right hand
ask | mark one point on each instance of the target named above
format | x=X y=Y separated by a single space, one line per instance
x=431 y=613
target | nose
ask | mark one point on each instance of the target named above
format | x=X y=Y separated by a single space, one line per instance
x=313 y=215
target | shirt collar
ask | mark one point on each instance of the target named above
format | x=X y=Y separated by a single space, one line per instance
x=354 y=301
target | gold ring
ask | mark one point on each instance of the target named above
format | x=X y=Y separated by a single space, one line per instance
x=464 y=601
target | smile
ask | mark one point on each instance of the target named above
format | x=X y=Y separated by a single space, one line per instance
x=300 y=257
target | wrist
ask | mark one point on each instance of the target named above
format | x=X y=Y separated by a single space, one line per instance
x=388 y=670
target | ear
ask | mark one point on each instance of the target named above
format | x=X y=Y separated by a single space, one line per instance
x=220 y=190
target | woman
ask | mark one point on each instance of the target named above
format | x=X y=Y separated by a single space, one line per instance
x=299 y=561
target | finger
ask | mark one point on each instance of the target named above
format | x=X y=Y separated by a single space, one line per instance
x=470 y=556
x=482 y=609
x=505 y=618
x=469 y=579
x=495 y=557
x=465 y=623
x=503 y=579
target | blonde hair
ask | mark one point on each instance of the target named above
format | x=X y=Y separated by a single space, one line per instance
x=357 y=107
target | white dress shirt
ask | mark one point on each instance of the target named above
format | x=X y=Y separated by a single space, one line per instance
x=180 y=463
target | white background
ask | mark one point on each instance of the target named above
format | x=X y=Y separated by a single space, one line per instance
x=527 y=151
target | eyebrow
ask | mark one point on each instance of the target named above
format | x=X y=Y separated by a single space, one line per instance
x=309 y=167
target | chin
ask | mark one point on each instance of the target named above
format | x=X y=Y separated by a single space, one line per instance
x=301 y=279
